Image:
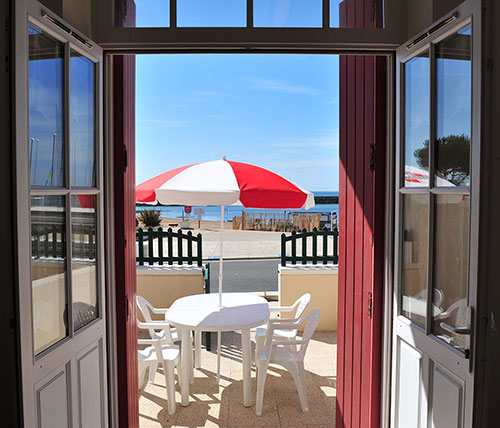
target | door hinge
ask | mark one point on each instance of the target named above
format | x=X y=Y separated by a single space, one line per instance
x=372 y=157
x=370 y=305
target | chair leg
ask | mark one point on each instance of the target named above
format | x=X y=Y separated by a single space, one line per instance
x=152 y=372
x=296 y=369
x=168 y=369
x=261 y=380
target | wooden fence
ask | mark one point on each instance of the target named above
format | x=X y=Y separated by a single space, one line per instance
x=277 y=221
x=325 y=254
x=156 y=238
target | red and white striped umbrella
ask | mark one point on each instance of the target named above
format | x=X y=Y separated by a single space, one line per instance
x=224 y=182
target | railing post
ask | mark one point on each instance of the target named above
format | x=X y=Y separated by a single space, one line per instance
x=199 y=248
x=325 y=246
x=283 y=250
x=294 y=248
x=150 y=245
x=179 y=247
x=190 y=247
x=160 y=245
x=140 y=236
x=315 y=246
x=170 y=247
x=304 y=246
x=335 y=245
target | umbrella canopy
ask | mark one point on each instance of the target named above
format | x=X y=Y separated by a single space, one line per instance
x=224 y=182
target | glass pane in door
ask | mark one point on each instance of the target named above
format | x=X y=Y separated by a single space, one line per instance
x=414 y=257
x=211 y=13
x=83 y=262
x=417 y=121
x=82 y=122
x=451 y=265
x=453 y=109
x=288 y=13
x=48 y=270
x=46 y=109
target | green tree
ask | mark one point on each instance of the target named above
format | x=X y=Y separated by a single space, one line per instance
x=452 y=158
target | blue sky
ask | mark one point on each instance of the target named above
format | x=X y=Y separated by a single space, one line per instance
x=277 y=111
x=232 y=13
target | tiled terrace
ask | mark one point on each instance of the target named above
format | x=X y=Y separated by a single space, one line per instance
x=214 y=406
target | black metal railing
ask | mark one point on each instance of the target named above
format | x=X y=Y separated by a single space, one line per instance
x=157 y=238
x=324 y=255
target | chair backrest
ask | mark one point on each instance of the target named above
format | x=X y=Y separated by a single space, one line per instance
x=145 y=307
x=311 y=321
x=302 y=302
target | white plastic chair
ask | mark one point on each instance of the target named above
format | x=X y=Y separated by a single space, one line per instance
x=277 y=350
x=168 y=356
x=300 y=306
x=161 y=330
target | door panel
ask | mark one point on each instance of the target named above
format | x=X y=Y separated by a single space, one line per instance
x=90 y=386
x=52 y=401
x=434 y=287
x=447 y=399
x=59 y=165
x=409 y=373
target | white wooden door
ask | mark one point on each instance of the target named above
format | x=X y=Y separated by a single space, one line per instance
x=436 y=229
x=60 y=222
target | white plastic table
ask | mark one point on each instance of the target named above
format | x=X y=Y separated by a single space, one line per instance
x=201 y=312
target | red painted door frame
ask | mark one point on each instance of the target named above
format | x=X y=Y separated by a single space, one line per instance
x=361 y=226
x=124 y=216
x=123 y=71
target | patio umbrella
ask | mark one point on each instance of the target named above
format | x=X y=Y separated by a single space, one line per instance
x=223 y=182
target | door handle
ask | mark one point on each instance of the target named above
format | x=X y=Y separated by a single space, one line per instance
x=456 y=330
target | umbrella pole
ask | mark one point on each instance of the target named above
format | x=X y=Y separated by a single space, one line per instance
x=221 y=257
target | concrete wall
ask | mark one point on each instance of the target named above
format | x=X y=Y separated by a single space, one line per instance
x=163 y=285
x=321 y=282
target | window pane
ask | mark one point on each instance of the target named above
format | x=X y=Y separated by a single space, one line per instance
x=335 y=13
x=451 y=264
x=46 y=109
x=152 y=13
x=453 y=109
x=211 y=13
x=48 y=270
x=82 y=125
x=417 y=124
x=414 y=257
x=288 y=13
x=83 y=263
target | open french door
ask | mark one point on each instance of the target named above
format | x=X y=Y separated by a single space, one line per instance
x=436 y=213
x=60 y=222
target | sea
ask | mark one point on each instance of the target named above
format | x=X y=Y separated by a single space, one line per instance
x=212 y=213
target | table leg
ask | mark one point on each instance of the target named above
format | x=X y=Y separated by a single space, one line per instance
x=197 y=349
x=186 y=364
x=246 y=346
